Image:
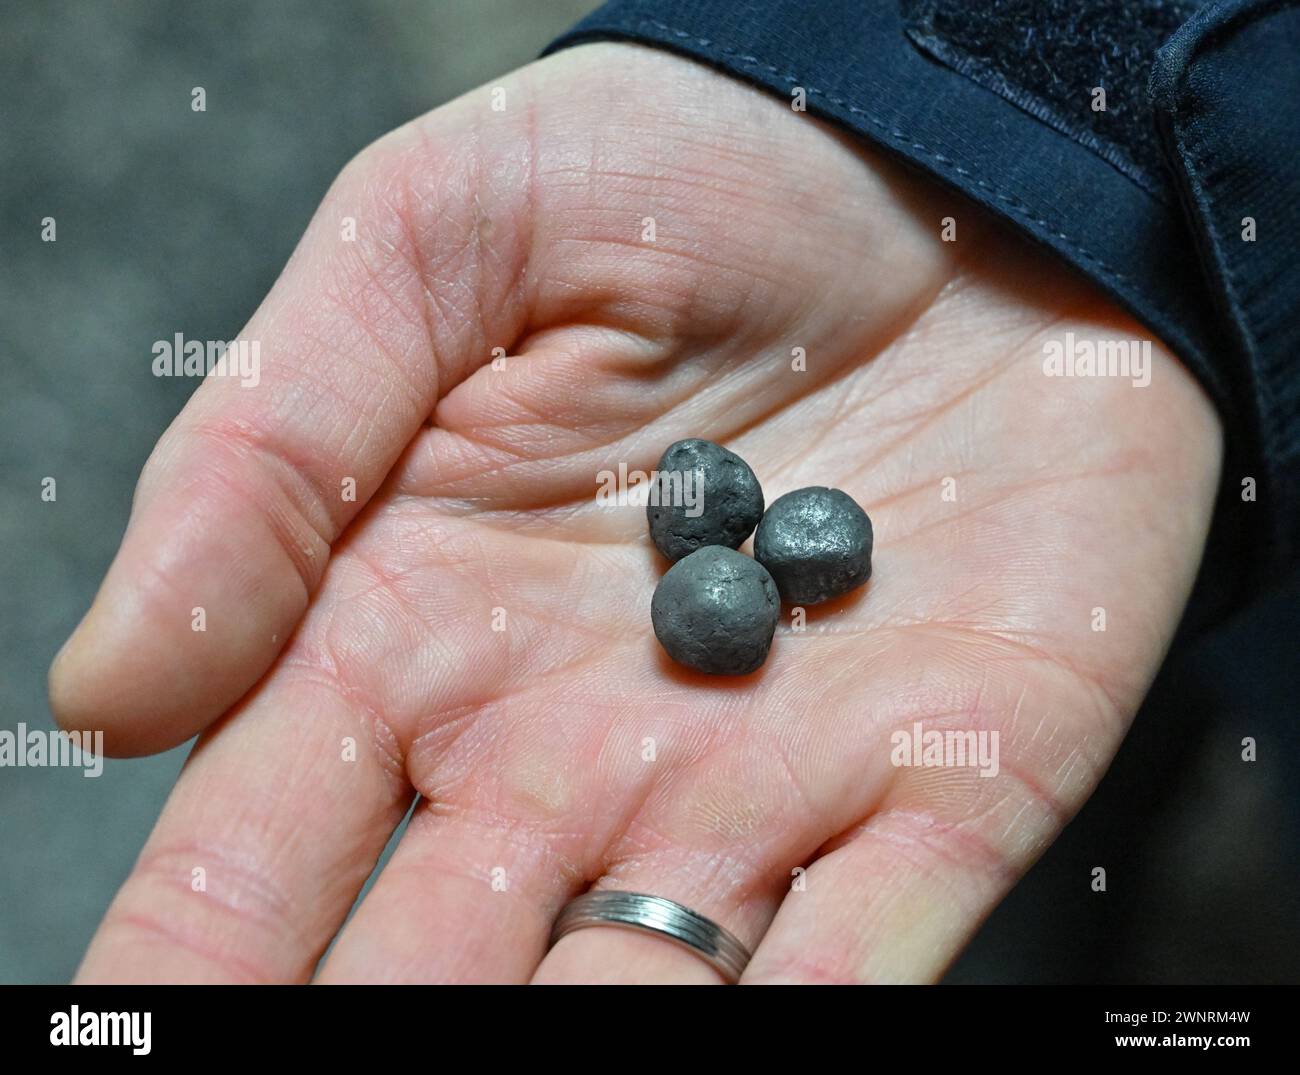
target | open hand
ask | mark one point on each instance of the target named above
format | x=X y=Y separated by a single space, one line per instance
x=479 y=626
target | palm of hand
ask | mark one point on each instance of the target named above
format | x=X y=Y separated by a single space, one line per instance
x=482 y=629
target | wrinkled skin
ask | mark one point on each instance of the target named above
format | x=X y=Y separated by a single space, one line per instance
x=373 y=619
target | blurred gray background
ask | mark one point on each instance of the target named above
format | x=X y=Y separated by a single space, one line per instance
x=171 y=222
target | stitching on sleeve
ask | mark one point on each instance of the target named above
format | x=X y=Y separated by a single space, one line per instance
x=1018 y=207
x=1197 y=160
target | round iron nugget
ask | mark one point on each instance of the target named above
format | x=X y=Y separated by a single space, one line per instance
x=716 y=611
x=816 y=542
x=724 y=491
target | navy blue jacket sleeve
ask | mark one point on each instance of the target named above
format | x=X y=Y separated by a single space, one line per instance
x=1152 y=199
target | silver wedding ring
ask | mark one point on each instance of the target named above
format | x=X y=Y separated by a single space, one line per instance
x=654 y=914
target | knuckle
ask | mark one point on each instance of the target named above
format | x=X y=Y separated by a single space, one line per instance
x=236 y=919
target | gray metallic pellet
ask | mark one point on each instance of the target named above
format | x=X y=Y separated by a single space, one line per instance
x=816 y=542
x=730 y=499
x=716 y=611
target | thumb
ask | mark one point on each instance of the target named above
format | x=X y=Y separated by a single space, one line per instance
x=392 y=296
